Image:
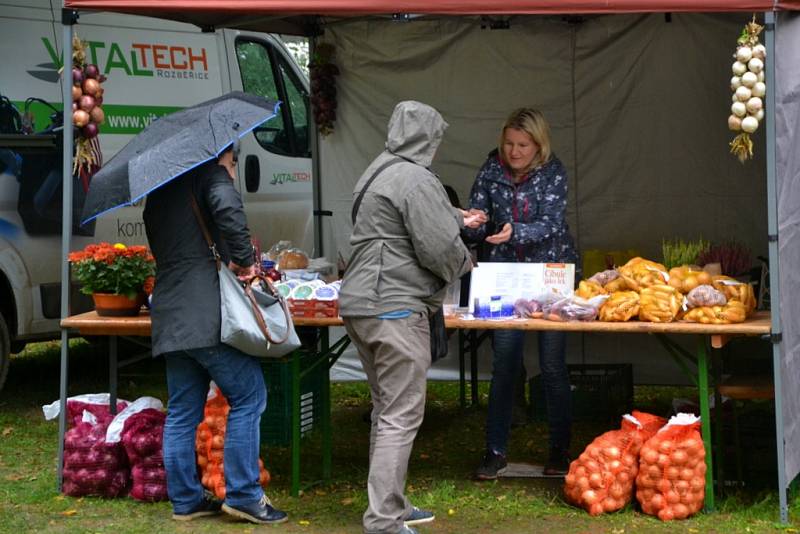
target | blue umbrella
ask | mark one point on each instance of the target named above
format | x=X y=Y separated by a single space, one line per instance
x=171 y=146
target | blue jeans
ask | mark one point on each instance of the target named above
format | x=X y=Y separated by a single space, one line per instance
x=508 y=346
x=241 y=380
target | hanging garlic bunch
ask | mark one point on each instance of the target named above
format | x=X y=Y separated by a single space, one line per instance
x=749 y=89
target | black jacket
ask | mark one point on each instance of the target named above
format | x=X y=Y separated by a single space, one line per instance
x=186 y=309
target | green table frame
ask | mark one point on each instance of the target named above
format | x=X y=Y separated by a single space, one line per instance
x=472 y=332
x=324 y=354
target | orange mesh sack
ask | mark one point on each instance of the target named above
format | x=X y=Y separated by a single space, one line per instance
x=736 y=290
x=659 y=303
x=210 y=444
x=685 y=279
x=671 y=482
x=639 y=273
x=601 y=478
x=732 y=312
x=589 y=288
x=621 y=306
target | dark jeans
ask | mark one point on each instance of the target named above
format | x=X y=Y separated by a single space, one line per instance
x=241 y=380
x=508 y=348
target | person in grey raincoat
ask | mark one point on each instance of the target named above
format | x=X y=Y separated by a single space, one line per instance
x=406 y=249
x=186 y=331
x=522 y=188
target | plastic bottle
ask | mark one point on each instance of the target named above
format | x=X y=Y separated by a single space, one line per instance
x=495 y=307
x=269 y=270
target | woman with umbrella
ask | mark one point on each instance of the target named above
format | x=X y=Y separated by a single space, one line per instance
x=183 y=162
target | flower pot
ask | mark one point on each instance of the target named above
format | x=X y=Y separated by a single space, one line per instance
x=113 y=305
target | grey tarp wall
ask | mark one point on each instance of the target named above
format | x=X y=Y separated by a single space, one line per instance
x=638 y=106
x=787 y=124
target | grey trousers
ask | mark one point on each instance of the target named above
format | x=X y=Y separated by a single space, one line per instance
x=396 y=355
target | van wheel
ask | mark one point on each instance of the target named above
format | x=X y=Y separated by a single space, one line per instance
x=5 y=351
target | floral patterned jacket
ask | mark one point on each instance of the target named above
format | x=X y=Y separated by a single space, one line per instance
x=536 y=208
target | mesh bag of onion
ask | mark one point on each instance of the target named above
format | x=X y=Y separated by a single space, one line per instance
x=92 y=466
x=671 y=482
x=601 y=478
x=142 y=438
x=210 y=444
x=96 y=404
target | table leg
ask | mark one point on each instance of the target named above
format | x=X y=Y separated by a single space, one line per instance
x=327 y=440
x=462 y=382
x=62 y=414
x=716 y=371
x=295 y=400
x=473 y=365
x=705 y=417
x=112 y=374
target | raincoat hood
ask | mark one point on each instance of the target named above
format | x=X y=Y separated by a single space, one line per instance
x=415 y=132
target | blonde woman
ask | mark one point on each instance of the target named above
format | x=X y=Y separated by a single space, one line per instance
x=522 y=189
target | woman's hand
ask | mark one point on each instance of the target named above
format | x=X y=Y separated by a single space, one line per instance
x=502 y=236
x=474 y=218
x=243 y=273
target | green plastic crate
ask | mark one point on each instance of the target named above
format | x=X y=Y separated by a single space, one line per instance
x=276 y=420
x=599 y=392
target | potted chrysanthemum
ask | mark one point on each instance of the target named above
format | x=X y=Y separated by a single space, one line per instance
x=116 y=276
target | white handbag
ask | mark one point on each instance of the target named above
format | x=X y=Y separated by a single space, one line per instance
x=255 y=317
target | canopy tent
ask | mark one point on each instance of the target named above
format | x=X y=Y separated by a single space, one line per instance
x=603 y=84
x=300 y=17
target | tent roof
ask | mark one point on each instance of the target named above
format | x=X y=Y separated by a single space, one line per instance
x=298 y=16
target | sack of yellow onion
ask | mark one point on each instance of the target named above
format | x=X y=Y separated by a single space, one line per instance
x=671 y=481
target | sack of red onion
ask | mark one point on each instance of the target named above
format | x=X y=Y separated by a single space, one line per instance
x=601 y=478
x=98 y=404
x=210 y=444
x=671 y=482
x=140 y=429
x=92 y=466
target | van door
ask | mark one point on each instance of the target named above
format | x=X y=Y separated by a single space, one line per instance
x=275 y=160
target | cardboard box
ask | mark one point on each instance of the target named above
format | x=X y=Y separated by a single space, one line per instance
x=313 y=308
x=512 y=281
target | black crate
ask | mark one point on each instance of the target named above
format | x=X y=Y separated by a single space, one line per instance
x=599 y=392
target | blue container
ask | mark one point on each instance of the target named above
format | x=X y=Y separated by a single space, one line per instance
x=496 y=307
x=481 y=309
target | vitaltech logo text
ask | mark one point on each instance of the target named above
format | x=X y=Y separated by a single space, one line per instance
x=139 y=59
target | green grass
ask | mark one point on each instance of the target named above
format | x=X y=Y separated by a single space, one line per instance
x=447 y=449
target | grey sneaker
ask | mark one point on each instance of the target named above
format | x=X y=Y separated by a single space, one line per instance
x=418 y=517
x=261 y=512
x=207 y=507
x=408 y=530
x=493 y=464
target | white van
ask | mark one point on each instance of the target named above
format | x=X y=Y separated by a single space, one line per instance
x=153 y=68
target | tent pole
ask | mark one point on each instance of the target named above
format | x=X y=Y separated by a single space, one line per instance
x=774 y=272
x=68 y=19
x=316 y=182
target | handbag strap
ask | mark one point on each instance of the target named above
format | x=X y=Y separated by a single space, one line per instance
x=248 y=290
x=262 y=325
x=386 y=164
x=211 y=245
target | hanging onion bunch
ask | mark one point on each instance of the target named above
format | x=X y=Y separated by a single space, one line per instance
x=87 y=111
x=749 y=89
x=323 y=87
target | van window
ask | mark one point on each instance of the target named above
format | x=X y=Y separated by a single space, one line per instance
x=265 y=73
